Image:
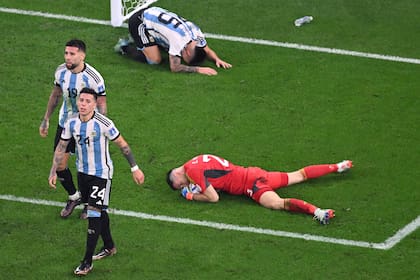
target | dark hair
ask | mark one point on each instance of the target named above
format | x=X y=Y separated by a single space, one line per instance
x=199 y=56
x=168 y=179
x=89 y=91
x=77 y=43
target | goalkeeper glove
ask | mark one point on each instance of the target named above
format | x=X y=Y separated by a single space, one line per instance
x=186 y=192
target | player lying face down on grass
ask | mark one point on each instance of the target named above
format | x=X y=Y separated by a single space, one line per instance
x=202 y=177
x=93 y=132
x=154 y=28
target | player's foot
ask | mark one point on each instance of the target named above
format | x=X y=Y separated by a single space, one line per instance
x=344 y=165
x=84 y=268
x=84 y=215
x=130 y=38
x=104 y=253
x=323 y=215
x=119 y=47
x=68 y=209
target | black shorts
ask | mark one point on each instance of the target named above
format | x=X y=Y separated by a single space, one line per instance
x=71 y=146
x=138 y=31
x=95 y=191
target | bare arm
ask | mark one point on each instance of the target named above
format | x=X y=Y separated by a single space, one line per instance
x=125 y=149
x=101 y=105
x=53 y=101
x=211 y=55
x=176 y=66
x=138 y=175
x=209 y=195
x=58 y=157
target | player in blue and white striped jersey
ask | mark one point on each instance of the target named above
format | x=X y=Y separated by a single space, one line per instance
x=155 y=28
x=92 y=132
x=91 y=146
x=70 y=78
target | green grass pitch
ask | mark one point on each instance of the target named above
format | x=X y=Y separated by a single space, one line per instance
x=277 y=108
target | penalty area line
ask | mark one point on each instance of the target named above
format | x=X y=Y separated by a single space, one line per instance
x=229 y=38
x=389 y=243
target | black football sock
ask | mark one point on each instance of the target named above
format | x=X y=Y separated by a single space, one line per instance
x=106 y=231
x=132 y=52
x=94 y=230
x=66 y=179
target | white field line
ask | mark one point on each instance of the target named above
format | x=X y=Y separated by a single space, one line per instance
x=232 y=38
x=387 y=244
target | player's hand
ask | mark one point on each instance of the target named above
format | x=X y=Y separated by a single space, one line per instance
x=138 y=177
x=52 y=180
x=43 y=128
x=186 y=193
x=223 y=64
x=206 y=71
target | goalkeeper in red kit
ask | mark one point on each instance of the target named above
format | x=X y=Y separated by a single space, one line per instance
x=202 y=177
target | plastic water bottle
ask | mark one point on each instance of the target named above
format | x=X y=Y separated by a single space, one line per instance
x=302 y=20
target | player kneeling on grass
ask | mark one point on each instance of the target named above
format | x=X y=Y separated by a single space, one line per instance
x=202 y=177
x=92 y=132
x=154 y=28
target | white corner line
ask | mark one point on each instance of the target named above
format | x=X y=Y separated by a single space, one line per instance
x=387 y=244
x=231 y=38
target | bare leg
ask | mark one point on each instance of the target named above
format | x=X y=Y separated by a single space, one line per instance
x=272 y=200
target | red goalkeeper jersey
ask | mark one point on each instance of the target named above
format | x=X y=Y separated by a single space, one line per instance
x=206 y=170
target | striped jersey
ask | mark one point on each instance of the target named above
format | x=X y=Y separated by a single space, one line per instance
x=72 y=83
x=92 y=144
x=171 y=31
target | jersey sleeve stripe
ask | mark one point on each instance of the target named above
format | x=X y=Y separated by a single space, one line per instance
x=102 y=119
x=93 y=74
x=118 y=135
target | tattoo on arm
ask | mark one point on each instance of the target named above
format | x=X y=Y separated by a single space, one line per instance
x=176 y=66
x=62 y=146
x=59 y=153
x=56 y=100
x=128 y=155
x=53 y=101
x=58 y=157
x=56 y=96
x=44 y=124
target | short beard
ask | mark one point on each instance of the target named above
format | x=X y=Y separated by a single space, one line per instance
x=71 y=66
